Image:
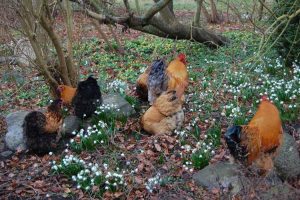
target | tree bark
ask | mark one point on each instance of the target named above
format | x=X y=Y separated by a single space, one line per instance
x=261 y=9
x=198 y=12
x=206 y=14
x=163 y=25
x=58 y=47
x=215 y=18
x=138 y=8
x=69 y=58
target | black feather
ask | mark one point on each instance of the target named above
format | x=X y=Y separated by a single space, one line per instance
x=157 y=81
x=87 y=98
x=37 y=140
x=233 y=140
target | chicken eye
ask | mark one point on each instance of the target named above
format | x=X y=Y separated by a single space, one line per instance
x=173 y=98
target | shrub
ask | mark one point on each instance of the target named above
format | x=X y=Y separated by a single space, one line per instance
x=288 y=35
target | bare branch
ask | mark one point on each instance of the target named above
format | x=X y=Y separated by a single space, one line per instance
x=155 y=9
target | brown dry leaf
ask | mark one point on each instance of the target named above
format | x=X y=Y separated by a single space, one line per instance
x=157 y=147
x=164 y=145
x=215 y=191
x=220 y=155
x=141 y=166
x=55 y=189
x=138 y=179
x=121 y=139
x=118 y=194
x=150 y=152
x=45 y=173
x=108 y=195
x=18 y=191
x=67 y=190
x=165 y=167
x=23 y=166
x=81 y=195
x=10 y=188
x=130 y=147
x=141 y=157
x=170 y=139
x=14 y=184
x=95 y=188
x=38 y=184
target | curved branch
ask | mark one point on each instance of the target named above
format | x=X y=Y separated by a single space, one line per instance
x=155 y=9
x=165 y=25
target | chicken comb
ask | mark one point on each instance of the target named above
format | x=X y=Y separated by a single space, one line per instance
x=182 y=57
x=265 y=98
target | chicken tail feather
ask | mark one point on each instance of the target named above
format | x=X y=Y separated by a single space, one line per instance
x=157 y=81
x=233 y=139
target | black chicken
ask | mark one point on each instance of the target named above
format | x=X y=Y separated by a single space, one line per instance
x=41 y=130
x=87 y=98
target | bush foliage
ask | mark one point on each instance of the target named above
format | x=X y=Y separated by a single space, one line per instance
x=288 y=35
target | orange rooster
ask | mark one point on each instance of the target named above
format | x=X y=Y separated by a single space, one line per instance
x=178 y=75
x=165 y=115
x=164 y=78
x=262 y=135
x=66 y=93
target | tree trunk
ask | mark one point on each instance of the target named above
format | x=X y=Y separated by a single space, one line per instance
x=74 y=74
x=138 y=8
x=198 y=12
x=171 y=7
x=163 y=25
x=215 y=18
x=261 y=9
x=206 y=14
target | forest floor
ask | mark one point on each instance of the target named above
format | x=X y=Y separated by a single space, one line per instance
x=225 y=87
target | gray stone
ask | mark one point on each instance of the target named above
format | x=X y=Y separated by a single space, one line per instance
x=24 y=52
x=71 y=123
x=6 y=154
x=221 y=175
x=287 y=162
x=280 y=191
x=116 y=99
x=14 y=138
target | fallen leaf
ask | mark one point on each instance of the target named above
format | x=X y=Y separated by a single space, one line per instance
x=157 y=147
x=141 y=166
x=67 y=190
x=130 y=147
x=45 y=173
x=118 y=194
x=38 y=184
x=215 y=191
